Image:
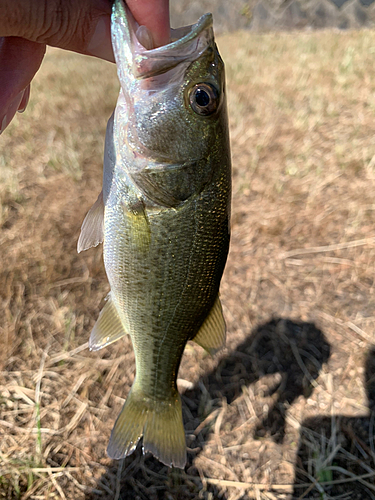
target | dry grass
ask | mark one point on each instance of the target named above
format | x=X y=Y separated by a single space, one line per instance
x=285 y=411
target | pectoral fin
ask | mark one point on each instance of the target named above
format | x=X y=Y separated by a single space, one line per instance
x=108 y=327
x=92 y=232
x=211 y=335
x=138 y=223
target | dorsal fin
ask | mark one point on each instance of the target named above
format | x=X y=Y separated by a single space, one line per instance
x=108 y=327
x=92 y=230
x=211 y=335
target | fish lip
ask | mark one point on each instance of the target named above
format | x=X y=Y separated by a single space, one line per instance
x=191 y=41
x=193 y=31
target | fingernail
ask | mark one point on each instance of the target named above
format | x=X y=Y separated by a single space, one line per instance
x=100 y=44
x=145 y=38
x=11 y=111
x=3 y=124
x=25 y=100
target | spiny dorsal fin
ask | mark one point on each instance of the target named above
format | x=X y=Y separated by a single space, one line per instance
x=108 y=327
x=211 y=335
x=92 y=231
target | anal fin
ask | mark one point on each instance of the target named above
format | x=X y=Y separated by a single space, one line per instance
x=211 y=335
x=92 y=230
x=108 y=327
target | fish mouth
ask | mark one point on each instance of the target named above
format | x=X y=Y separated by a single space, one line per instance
x=187 y=44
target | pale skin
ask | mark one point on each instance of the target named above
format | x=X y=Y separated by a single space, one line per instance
x=28 y=26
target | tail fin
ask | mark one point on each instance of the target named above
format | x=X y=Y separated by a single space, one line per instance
x=160 y=423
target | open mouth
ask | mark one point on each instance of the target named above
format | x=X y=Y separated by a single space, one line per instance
x=130 y=42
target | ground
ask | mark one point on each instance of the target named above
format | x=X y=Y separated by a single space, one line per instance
x=285 y=410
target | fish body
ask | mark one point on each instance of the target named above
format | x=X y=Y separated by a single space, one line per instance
x=163 y=216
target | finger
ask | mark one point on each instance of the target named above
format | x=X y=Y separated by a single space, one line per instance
x=100 y=44
x=155 y=16
x=19 y=61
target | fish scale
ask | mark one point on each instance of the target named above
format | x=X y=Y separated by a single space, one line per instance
x=163 y=215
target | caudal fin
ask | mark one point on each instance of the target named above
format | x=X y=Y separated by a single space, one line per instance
x=160 y=423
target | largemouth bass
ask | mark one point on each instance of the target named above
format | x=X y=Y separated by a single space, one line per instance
x=163 y=216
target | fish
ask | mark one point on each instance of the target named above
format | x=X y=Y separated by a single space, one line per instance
x=164 y=219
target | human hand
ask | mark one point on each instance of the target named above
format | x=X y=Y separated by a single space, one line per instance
x=28 y=26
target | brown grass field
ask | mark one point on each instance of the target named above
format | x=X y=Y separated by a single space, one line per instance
x=286 y=410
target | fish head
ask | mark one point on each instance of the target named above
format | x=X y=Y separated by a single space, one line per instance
x=172 y=108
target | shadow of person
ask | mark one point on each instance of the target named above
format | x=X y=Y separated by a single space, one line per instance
x=336 y=455
x=279 y=361
x=286 y=356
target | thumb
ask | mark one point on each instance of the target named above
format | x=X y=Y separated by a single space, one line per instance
x=19 y=61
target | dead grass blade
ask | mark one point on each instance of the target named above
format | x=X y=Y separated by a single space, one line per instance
x=328 y=248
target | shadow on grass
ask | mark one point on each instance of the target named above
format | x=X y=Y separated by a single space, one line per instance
x=336 y=455
x=286 y=355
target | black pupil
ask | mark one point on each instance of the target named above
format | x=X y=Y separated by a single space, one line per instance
x=202 y=98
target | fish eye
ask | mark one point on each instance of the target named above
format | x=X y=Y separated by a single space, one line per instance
x=204 y=99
